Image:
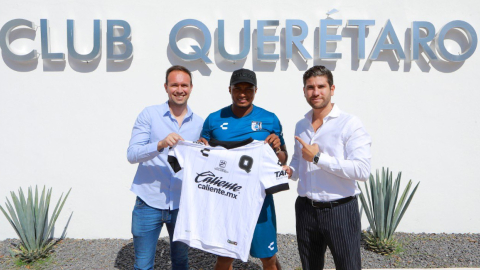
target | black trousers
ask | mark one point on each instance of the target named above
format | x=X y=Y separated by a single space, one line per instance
x=338 y=228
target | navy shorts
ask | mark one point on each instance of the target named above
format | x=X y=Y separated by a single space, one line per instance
x=264 y=242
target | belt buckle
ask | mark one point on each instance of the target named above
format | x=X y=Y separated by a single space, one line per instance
x=330 y=205
x=312 y=202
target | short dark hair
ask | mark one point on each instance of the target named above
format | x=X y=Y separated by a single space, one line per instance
x=178 y=68
x=316 y=71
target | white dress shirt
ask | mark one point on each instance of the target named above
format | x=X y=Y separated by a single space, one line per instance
x=345 y=156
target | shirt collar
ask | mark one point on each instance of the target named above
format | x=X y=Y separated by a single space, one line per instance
x=167 y=112
x=334 y=113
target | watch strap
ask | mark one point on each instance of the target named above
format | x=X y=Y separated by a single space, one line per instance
x=316 y=158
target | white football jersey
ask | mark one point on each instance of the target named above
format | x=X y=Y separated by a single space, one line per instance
x=223 y=192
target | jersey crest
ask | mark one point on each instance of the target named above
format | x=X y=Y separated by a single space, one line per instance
x=256 y=125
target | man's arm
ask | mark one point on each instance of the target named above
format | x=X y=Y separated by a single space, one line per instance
x=356 y=165
x=282 y=154
x=141 y=148
x=277 y=142
x=281 y=150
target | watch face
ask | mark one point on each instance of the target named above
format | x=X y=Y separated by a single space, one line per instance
x=315 y=159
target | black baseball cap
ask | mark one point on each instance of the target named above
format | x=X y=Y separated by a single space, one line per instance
x=243 y=75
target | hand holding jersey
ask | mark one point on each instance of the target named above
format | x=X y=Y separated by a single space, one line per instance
x=203 y=140
x=170 y=140
x=274 y=141
x=222 y=193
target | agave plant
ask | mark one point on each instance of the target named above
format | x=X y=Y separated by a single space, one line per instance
x=29 y=219
x=384 y=210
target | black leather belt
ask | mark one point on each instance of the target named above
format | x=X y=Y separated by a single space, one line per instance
x=331 y=204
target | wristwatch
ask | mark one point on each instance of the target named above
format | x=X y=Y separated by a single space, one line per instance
x=316 y=158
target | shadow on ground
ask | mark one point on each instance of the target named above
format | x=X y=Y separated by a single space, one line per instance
x=198 y=259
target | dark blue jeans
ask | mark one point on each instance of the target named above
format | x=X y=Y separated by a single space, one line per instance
x=147 y=223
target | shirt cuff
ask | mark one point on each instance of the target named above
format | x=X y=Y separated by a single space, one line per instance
x=324 y=161
x=152 y=148
x=294 y=176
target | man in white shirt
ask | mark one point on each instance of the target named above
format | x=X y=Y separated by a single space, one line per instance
x=332 y=152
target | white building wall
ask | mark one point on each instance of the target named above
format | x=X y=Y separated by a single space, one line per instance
x=67 y=125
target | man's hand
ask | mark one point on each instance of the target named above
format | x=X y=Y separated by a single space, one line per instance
x=308 y=151
x=203 y=140
x=288 y=170
x=274 y=142
x=170 y=140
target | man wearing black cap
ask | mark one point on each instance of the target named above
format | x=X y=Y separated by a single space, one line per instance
x=239 y=121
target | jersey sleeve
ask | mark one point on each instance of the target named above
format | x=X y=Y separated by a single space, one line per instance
x=176 y=156
x=277 y=129
x=273 y=178
x=206 y=131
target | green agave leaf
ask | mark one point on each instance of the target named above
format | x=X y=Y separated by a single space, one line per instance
x=370 y=180
x=57 y=211
x=400 y=205
x=399 y=177
x=367 y=211
x=21 y=212
x=388 y=193
x=381 y=211
x=391 y=207
x=373 y=189
x=40 y=217
x=384 y=183
x=394 y=207
x=406 y=205
x=45 y=235
x=48 y=230
x=376 y=204
x=23 y=201
x=369 y=206
x=29 y=225
x=17 y=227
x=64 y=233
x=10 y=221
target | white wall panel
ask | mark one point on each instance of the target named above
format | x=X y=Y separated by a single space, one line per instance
x=68 y=124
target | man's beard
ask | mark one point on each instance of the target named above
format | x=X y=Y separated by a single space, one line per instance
x=321 y=105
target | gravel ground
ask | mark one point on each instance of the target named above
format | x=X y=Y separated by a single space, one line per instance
x=417 y=251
